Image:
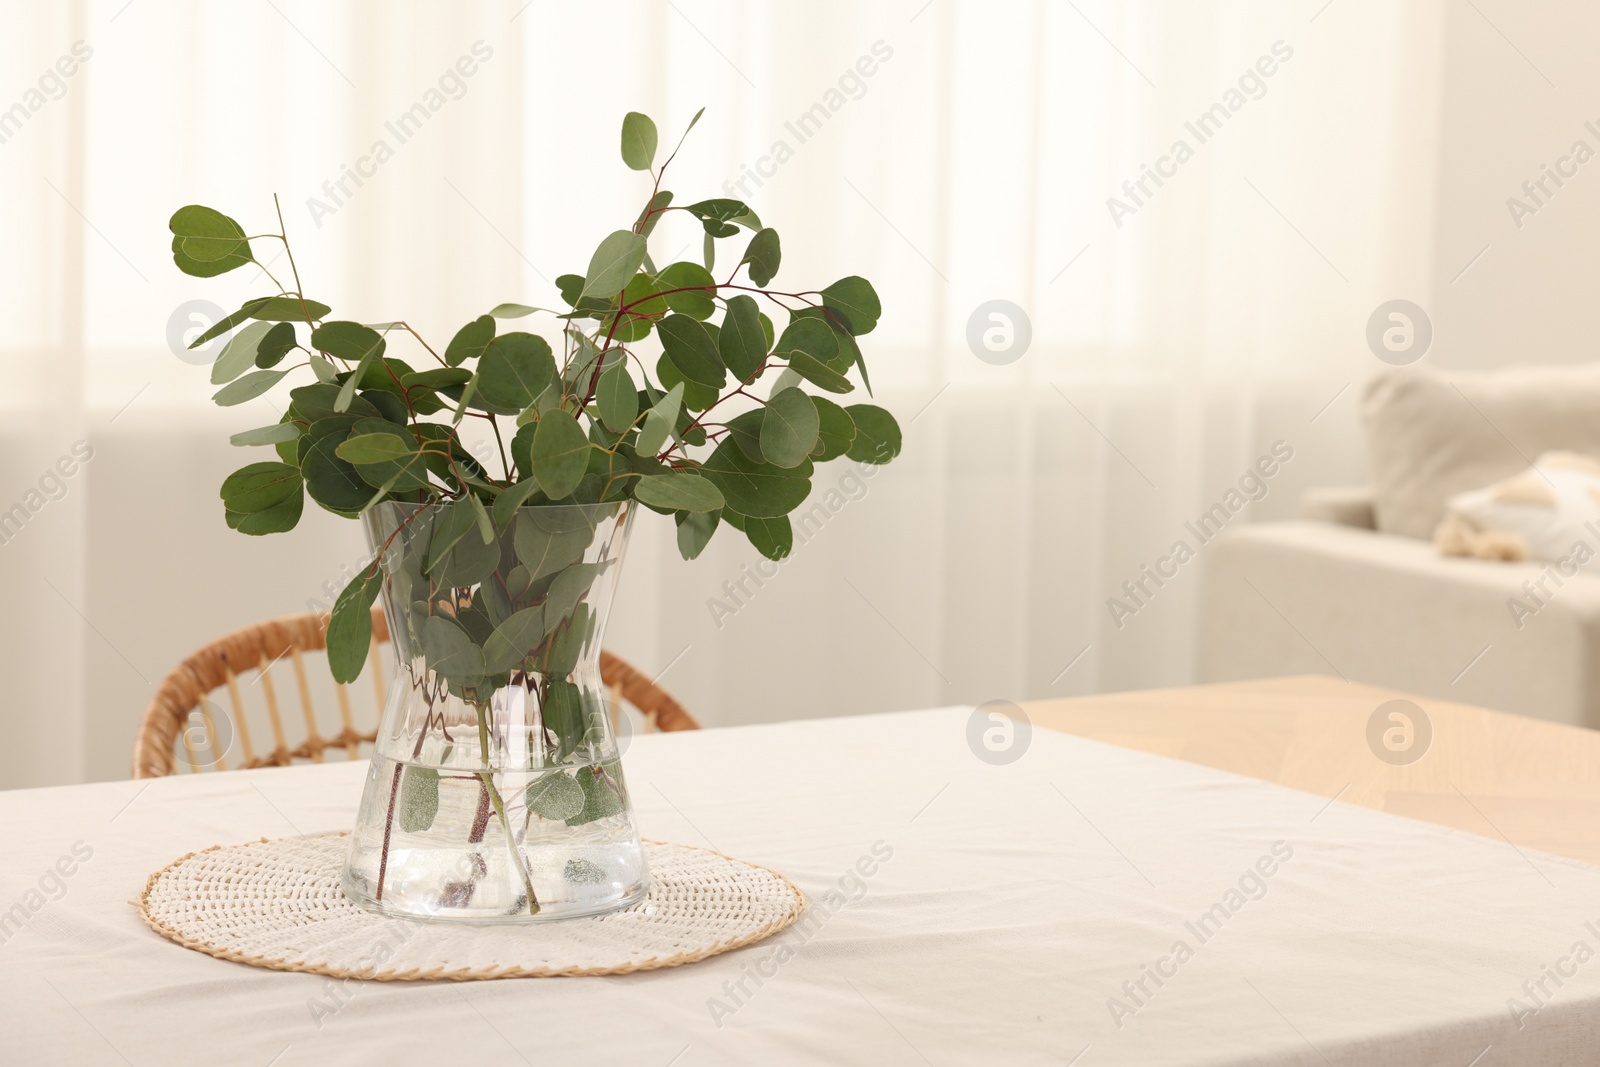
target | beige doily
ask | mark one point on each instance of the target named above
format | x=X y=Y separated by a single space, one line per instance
x=278 y=904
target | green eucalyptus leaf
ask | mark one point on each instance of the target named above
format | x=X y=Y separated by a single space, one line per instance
x=742 y=343
x=376 y=448
x=789 y=428
x=278 y=342
x=514 y=311
x=849 y=352
x=819 y=373
x=763 y=254
x=696 y=397
x=313 y=403
x=419 y=798
x=332 y=482
x=207 y=269
x=643 y=303
x=507 y=503
x=569 y=587
x=877 y=434
x=720 y=215
x=638 y=141
x=807 y=336
x=745 y=428
x=550 y=539
x=692 y=350
x=661 y=420
x=515 y=368
x=600 y=799
x=653 y=212
x=694 y=531
x=481 y=514
x=207 y=235
x=836 y=431
x=437 y=378
x=560 y=454
x=450 y=524
x=855 y=301
x=350 y=626
x=239 y=354
x=450 y=652
x=556 y=796
x=565 y=647
x=348 y=341
x=563 y=714
x=470 y=341
x=514 y=639
x=617 y=398
x=613 y=264
x=229 y=321
x=678 y=492
x=758 y=490
x=708 y=252
x=279 y=518
x=696 y=289
x=289 y=309
x=277 y=433
x=247 y=387
x=773 y=538
x=259 y=486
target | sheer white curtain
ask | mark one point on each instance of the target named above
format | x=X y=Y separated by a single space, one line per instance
x=954 y=152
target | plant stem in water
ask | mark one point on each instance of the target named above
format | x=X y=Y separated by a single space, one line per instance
x=487 y=777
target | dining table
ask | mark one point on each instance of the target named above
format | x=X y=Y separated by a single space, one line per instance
x=1242 y=874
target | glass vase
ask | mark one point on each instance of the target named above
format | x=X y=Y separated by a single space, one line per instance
x=496 y=792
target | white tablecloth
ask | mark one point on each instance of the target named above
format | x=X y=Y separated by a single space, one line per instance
x=962 y=913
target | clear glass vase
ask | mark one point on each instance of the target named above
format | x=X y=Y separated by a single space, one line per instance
x=495 y=792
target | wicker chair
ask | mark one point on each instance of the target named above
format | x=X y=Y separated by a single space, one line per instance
x=182 y=723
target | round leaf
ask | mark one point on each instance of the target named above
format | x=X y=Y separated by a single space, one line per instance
x=277 y=343
x=773 y=538
x=514 y=639
x=613 y=264
x=207 y=235
x=760 y=490
x=690 y=348
x=877 y=434
x=560 y=454
x=836 y=431
x=331 y=481
x=638 y=141
x=696 y=285
x=470 y=341
x=555 y=796
x=515 y=368
x=450 y=651
x=259 y=486
x=788 y=428
x=855 y=301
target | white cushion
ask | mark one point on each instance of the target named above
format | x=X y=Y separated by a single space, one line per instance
x=1551 y=509
x=1431 y=434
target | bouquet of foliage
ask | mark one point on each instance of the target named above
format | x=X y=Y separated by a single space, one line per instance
x=686 y=433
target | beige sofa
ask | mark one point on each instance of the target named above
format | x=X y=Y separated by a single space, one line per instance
x=1356 y=589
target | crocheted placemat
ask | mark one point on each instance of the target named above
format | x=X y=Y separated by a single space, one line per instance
x=278 y=904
